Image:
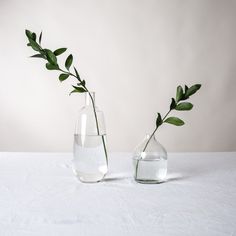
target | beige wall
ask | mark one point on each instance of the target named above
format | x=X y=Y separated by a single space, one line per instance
x=133 y=53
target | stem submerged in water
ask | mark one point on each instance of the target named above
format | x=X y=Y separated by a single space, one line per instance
x=94 y=111
x=97 y=126
x=145 y=147
x=52 y=64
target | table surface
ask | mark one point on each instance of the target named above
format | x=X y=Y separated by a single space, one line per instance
x=39 y=195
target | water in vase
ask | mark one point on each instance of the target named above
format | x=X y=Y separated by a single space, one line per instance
x=89 y=163
x=150 y=169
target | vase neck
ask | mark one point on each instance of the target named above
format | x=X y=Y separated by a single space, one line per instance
x=147 y=137
x=88 y=98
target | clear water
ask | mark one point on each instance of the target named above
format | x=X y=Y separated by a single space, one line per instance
x=89 y=163
x=151 y=170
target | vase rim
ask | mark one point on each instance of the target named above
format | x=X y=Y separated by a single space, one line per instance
x=148 y=136
x=88 y=96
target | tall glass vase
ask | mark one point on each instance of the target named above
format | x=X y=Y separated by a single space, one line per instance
x=150 y=161
x=90 y=163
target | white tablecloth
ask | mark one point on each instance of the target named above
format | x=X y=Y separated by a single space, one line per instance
x=40 y=196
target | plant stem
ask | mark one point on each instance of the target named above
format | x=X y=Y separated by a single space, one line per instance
x=149 y=139
x=66 y=72
x=166 y=114
x=43 y=53
x=94 y=111
x=96 y=119
x=145 y=147
x=155 y=131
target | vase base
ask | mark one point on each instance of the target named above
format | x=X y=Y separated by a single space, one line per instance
x=147 y=181
x=90 y=181
x=89 y=178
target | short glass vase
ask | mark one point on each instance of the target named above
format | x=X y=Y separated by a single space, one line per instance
x=150 y=161
x=90 y=163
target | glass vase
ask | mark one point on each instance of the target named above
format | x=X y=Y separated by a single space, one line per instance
x=150 y=161
x=90 y=163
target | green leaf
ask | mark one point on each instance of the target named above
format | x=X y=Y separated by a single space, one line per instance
x=77 y=74
x=185 y=88
x=79 y=89
x=158 y=120
x=173 y=104
x=34 y=36
x=63 y=77
x=185 y=93
x=40 y=37
x=68 y=62
x=34 y=45
x=59 y=51
x=52 y=67
x=43 y=53
x=179 y=93
x=28 y=34
x=39 y=56
x=174 y=121
x=81 y=83
x=52 y=59
x=184 y=106
x=73 y=91
x=193 y=89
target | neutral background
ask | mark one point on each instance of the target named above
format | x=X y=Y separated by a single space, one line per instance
x=133 y=53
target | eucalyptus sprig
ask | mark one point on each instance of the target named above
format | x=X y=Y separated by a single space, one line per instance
x=50 y=56
x=178 y=105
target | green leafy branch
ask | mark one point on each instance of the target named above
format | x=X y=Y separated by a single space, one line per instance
x=178 y=105
x=52 y=64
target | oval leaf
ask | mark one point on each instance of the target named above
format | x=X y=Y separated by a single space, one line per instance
x=185 y=93
x=63 y=77
x=77 y=74
x=73 y=91
x=28 y=34
x=83 y=82
x=40 y=37
x=59 y=51
x=174 y=121
x=51 y=57
x=193 y=89
x=185 y=88
x=173 y=104
x=179 y=93
x=38 y=56
x=34 y=45
x=34 y=36
x=184 y=106
x=79 y=89
x=51 y=67
x=68 y=62
x=158 y=120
